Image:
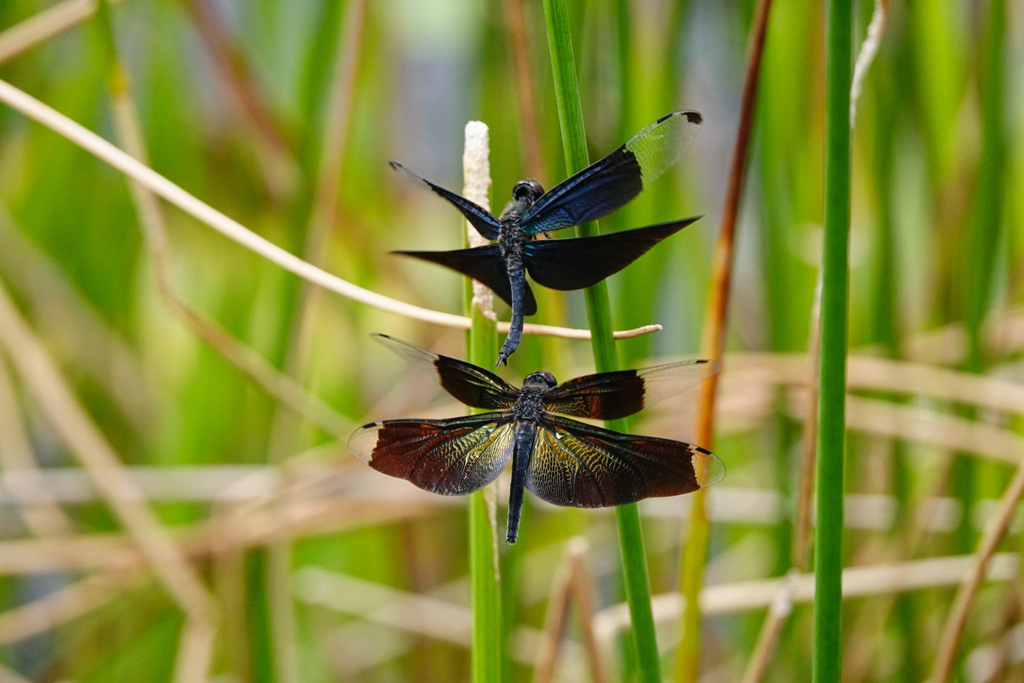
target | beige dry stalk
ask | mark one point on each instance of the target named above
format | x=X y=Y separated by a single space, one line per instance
x=285 y=428
x=37 y=506
x=46 y=24
x=476 y=170
x=409 y=612
x=94 y=453
x=75 y=330
x=243 y=357
x=858 y=582
x=145 y=176
x=572 y=584
x=62 y=606
x=949 y=643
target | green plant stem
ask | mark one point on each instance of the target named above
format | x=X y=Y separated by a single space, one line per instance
x=828 y=538
x=695 y=556
x=483 y=544
x=486 y=596
x=574 y=142
x=488 y=627
x=980 y=251
x=983 y=237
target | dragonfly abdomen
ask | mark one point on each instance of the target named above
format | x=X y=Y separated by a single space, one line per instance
x=523 y=450
x=517 y=283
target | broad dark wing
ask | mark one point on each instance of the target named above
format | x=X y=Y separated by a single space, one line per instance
x=450 y=457
x=579 y=262
x=469 y=383
x=480 y=263
x=579 y=465
x=608 y=184
x=479 y=217
x=611 y=395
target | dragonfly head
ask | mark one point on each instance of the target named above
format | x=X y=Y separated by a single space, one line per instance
x=540 y=380
x=527 y=192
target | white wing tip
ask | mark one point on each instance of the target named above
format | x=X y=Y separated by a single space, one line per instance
x=708 y=469
x=363 y=442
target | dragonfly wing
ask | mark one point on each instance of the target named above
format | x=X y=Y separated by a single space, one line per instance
x=579 y=465
x=451 y=457
x=480 y=218
x=580 y=262
x=611 y=182
x=484 y=264
x=611 y=395
x=469 y=383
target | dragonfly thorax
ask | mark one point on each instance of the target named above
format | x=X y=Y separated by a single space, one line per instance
x=530 y=404
x=529 y=407
x=510 y=237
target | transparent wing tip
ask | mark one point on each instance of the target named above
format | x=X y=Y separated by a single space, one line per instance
x=708 y=468
x=363 y=442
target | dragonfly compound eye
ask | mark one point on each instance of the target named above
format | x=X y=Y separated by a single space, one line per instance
x=527 y=191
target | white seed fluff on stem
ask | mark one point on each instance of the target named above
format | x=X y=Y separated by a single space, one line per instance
x=476 y=170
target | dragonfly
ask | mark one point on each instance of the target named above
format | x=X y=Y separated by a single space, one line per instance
x=558 y=459
x=573 y=263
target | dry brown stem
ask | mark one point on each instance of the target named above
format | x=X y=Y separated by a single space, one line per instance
x=275 y=153
x=713 y=346
x=515 y=22
x=949 y=644
x=572 y=583
x=777 y=615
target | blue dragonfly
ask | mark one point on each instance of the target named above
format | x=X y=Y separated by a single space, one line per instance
x=565 y=264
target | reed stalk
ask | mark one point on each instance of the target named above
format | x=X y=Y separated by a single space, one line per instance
x=828 y=538
x=627 y=517
x=487 y=651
